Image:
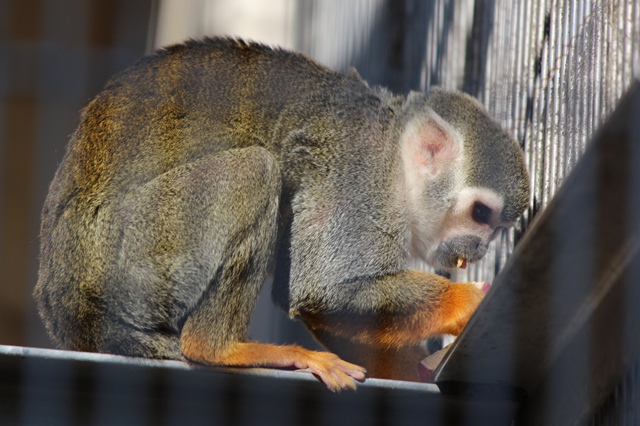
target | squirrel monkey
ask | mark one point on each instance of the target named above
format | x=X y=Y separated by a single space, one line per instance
x=210 y=164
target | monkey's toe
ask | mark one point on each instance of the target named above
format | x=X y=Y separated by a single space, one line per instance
x=334 y=372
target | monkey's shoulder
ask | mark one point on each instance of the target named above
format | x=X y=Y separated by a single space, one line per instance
x=217 y=62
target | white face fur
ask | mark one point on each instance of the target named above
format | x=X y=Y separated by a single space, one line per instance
x=467 y=228
x=447 y=221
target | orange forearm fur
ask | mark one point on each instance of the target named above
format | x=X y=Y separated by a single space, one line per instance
x=445 y=309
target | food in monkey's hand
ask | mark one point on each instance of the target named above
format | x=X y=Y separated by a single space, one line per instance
x=427 y=366
x=484 y=286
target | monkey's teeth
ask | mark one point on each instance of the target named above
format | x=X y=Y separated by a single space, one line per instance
x=462 y=263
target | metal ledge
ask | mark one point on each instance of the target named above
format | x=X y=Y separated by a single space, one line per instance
x=44 y=386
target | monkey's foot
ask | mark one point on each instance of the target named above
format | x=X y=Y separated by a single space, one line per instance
x=328 y=367
x=336 y=373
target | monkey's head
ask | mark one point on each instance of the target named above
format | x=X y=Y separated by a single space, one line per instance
x=465 y=177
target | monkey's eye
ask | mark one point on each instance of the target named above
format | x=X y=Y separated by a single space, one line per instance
x=481 y=213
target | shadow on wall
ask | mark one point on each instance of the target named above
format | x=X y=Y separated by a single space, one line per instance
x=407 y=42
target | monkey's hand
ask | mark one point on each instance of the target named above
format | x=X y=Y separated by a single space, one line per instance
x=333 y=371
x=458 y=302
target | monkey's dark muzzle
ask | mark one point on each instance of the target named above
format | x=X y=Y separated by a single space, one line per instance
x=468 y=247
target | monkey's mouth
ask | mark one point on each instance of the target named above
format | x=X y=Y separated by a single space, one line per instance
x=457 y=252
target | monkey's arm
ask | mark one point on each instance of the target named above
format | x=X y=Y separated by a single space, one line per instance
x=379 y=323
x=349 y=276
x=394 y=310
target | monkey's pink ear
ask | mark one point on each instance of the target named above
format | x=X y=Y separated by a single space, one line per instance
x=432 y=145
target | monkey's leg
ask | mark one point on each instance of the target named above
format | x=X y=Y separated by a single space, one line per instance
x=196 y=244
x=214 y=331
x=196 y=239
x=233 y=202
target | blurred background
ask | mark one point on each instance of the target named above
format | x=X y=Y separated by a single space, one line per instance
x=550 y=72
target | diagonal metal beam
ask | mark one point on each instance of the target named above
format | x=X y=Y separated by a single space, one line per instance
x=562 y=321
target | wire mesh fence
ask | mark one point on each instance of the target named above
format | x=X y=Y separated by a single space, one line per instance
x=550 y=71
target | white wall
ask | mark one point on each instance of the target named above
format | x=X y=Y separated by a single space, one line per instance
x=269 y=21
